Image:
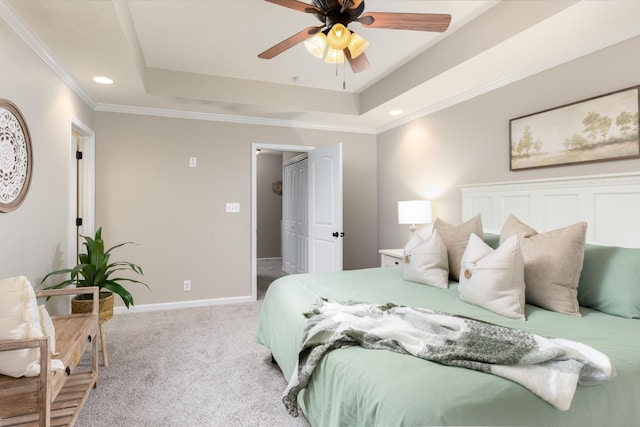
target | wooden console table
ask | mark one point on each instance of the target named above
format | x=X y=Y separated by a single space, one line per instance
x=53 y=398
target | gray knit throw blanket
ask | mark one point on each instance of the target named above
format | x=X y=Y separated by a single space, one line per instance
x=549 y=367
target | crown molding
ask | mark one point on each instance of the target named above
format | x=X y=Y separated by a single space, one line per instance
x=33 y=41
x=260 y=121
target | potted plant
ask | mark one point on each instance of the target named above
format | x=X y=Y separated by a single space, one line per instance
x=94 y=269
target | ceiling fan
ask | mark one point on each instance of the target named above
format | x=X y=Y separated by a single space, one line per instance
x=340 y=43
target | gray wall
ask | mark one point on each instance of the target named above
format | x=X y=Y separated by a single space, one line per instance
x=269 y=212
x=469 y=142
x=146 y=192
x=34 y=237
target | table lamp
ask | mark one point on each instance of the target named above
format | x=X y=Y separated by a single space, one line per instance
x=414 y=212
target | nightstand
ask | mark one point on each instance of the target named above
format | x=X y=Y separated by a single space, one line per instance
x=390 y=257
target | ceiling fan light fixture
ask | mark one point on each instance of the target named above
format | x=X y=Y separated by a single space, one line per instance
x=334 y=56
x=357 y=45
x=317 y=45
x=338 y=37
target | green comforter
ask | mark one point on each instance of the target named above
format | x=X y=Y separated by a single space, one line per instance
x=361 y=387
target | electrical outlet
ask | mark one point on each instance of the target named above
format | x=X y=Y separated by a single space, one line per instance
x=187 y=285
x=233 y=207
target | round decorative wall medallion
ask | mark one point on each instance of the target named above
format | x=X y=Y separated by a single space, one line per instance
x=15 y=157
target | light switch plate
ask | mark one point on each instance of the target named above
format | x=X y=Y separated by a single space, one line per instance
x=193 y=162
x=233 y=207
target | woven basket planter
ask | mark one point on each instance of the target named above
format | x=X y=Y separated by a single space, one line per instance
x=105 y=306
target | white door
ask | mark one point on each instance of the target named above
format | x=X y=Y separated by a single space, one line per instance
x=325 y=209
x=80 y=190
x=82 y=186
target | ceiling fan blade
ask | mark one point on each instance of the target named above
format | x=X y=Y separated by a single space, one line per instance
x=297 y=5
x=436 y=22
x=289 y=43
x=359 y=63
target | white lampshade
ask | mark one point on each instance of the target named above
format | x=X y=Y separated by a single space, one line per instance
x=334 y=56
x=414 y=212
x=338 y=37
x=317 y=45
x=357 y=45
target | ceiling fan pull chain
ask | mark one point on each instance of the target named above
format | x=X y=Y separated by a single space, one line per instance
x=344 y=75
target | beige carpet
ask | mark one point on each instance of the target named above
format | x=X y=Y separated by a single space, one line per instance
x=188 y=367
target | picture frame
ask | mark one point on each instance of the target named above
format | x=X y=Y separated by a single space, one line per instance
x=596 y=129
x=16 y=161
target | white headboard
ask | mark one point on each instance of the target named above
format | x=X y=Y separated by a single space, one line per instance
x=610 y=204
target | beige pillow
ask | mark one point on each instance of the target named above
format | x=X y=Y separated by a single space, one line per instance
x=552 y=263
x=455 y=239
x=425 y=261
x=493 y=279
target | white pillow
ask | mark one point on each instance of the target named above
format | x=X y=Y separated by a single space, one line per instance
x=425 y=261
x=47 y=328
x=494 y=279
x=19 y=319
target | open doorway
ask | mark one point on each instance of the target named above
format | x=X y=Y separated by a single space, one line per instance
x=267 y=253
x=269 y=183
x=322 y=205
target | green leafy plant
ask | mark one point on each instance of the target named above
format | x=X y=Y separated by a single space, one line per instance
x=94 y=269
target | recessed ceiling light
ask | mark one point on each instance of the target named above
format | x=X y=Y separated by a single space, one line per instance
x=395 y=112
x=103 y=80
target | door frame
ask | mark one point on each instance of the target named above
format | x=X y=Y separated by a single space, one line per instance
x=254 y=203
x=89 y=187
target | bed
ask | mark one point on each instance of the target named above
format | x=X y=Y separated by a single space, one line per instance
x=361 y=387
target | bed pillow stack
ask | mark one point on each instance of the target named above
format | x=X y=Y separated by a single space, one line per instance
x=20 y=319
x=542 y=269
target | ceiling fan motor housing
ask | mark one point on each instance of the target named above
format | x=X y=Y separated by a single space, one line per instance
x=333 y=13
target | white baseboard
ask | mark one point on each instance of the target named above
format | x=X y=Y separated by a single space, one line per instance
x=181 y=304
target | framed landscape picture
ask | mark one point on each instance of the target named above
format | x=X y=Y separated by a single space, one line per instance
x=596 y=129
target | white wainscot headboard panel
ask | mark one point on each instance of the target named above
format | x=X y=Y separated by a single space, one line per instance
x=610 y=204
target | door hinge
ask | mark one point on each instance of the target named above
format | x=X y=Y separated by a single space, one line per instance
x=78 y=222
x=78 y=155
